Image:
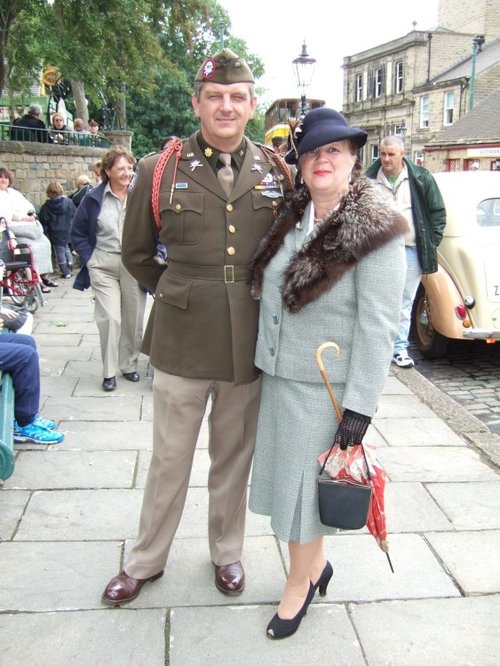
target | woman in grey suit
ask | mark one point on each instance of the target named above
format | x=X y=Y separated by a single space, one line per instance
x=331 y=268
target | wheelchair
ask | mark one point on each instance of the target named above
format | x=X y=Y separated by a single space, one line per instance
x=21 y=281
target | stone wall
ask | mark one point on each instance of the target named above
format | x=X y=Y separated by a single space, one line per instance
x=35 y=165
x=480 y=17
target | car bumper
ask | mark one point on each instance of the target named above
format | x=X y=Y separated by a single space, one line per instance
x=482 y=334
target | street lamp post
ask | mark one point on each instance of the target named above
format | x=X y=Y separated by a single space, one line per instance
x=303 y=67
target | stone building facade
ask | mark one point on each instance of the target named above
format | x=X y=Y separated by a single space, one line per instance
x=473 y=142
x=480 y=17
x=420 y=84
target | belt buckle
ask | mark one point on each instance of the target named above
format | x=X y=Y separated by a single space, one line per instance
x=228 y=274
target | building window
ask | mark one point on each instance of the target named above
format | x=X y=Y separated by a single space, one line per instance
x=453 y=165
x=378 y=82
x=400 y=130
x=448 y=108
x=398 y=77
x=424 y=111
x=358 y=88
x=374 y=152
x=418 y=158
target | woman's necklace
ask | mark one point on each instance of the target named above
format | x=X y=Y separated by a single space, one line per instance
x=317 y=220
x=336 y=198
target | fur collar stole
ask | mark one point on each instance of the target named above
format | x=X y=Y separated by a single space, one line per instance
x=362 y=223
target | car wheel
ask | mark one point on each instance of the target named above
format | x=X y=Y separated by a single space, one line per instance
x=431 y=343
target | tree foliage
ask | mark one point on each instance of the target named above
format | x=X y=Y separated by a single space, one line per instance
x=144 y=51
x=105 y=45
x=14 y=15
x=168 y=111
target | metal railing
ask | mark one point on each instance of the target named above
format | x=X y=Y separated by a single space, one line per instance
x=51 y=136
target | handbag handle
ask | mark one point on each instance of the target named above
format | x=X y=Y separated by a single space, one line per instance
x=369 y=476
x=333 y=398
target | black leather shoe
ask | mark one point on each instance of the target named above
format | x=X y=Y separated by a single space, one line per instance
x=109 y=383
x=132 y=376
x=230 y=578
x=123 y=588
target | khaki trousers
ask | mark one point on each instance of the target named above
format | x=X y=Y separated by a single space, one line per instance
x=119 y=312
x=179 y=405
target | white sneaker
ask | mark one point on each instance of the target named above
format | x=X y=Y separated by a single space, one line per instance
x=403 y=360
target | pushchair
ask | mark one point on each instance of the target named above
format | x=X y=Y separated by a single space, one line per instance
x=21 y=281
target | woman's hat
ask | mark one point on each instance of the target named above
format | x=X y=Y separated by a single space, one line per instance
x=318 y=128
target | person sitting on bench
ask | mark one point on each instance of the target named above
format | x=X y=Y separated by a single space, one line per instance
x=19 y=357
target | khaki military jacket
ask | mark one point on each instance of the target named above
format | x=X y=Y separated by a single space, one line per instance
x=204 y=322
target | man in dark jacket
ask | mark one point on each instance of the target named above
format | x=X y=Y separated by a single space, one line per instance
x=414 y=192
x=30 y=127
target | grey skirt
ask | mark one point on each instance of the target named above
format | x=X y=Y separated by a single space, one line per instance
x=41 y=251
x=296 y=423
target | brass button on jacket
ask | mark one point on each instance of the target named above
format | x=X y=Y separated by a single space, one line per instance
x=231 y=251
x=229 y=208
x=231 y=229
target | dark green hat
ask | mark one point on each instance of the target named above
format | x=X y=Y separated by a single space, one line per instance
x=225 y=67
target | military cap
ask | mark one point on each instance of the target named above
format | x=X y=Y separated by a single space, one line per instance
x=225 y=67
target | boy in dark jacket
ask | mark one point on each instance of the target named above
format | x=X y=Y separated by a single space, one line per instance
x=56 y=216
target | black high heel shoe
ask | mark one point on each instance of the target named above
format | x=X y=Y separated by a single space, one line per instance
x=324 y=579
x=284 y=628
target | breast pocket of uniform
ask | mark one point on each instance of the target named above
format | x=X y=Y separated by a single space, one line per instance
x=183 y=216
x=264 y=210
x=173 y=290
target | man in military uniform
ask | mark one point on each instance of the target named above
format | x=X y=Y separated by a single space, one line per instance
x=203 y=327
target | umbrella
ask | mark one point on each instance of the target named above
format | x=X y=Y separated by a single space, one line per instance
x=357 y=463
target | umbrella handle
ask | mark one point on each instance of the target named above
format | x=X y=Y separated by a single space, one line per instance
x=333 y=398
x=324 y=374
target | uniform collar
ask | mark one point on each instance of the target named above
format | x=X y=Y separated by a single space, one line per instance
x=212 y=154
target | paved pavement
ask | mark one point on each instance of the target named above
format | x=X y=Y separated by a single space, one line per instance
x=69 y=514
x=470 y=374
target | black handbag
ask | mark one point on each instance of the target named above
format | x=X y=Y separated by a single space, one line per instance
x=343 y=503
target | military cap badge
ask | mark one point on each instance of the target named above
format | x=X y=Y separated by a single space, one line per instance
x=208 y=68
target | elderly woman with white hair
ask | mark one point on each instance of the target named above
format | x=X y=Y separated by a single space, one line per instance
x=21 y=216
x=83 y=185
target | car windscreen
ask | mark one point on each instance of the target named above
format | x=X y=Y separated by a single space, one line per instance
x=488 y=213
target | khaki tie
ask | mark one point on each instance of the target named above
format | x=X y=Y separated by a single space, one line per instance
x=225 y=173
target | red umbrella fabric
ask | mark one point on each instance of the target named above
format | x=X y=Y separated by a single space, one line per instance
x=352 y=464
x=357 y=463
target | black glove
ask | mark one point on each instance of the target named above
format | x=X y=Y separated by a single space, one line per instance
x=352 y=429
